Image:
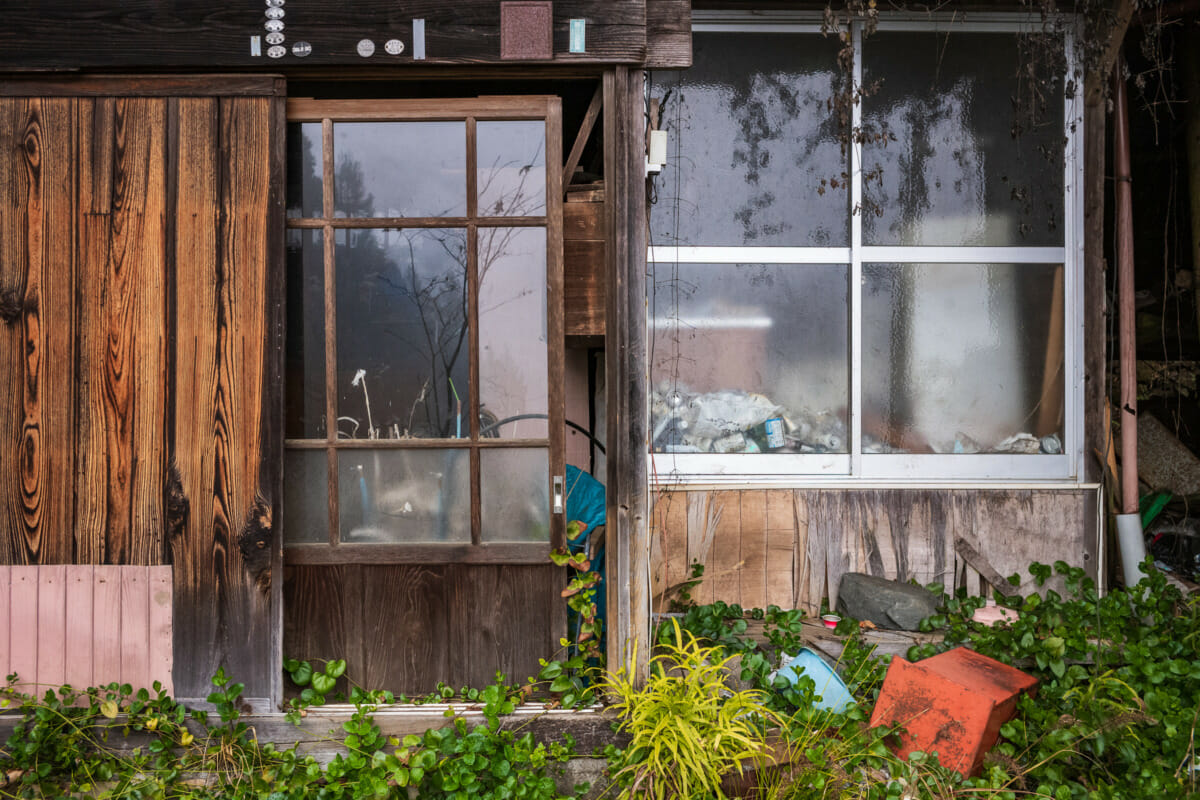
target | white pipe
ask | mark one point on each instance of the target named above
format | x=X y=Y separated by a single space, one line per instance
x=1133 y=547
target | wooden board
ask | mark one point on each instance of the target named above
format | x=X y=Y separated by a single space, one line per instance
x=407 y=627
x=799 y=542
x=140 y=353
x=119 y=34
x=668 y=34
x=85 y=625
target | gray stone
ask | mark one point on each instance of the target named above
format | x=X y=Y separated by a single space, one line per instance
x=583 y=770
x=888 y=604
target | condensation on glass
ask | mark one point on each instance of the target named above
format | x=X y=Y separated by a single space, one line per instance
x=304 y=368
x=958 y=151
x=515 y=495
x=754 y=155
x=512 y=333
x=511 y=165
x=304 y=167
x=305 y=476
x=960 y=358
x=403 y=349
x=400 y=169
x=395 y=496
x=749 y=358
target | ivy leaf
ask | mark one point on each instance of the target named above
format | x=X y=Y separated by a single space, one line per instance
x=302 y=674
x=336 y=669
x=322 y=683
x=109 y=708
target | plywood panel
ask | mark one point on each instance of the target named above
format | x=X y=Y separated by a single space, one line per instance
x=669 y=544
x=703 y=516
x=5 y=619
x=160 y=628
x=781 y=540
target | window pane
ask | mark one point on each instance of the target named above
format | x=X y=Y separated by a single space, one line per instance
x=404 y=496
x=512 y=332
x=306 y=496
x=402 y=344
x=515 y=503
x=753 y=155
x=305 y=368
x=955 y=358
x=749 y=358
x=400 y=169
x=511 y=169
x=305 y=168
x=951 y=172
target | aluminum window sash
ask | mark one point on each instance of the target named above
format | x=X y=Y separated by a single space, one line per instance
x=875 y=254
x=686 y=467
x=702 y=254
x=1073 y=267
x=974 y=466
x=854 y=339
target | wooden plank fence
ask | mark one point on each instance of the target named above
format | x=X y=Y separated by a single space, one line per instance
x=86 y=625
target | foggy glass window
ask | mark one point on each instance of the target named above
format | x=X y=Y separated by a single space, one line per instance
x=956 y=358
x=972 y=155
x=749 y=358
x=753 y=156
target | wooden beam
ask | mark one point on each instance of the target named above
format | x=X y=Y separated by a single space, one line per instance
x=1122 y=16
x=581 y=139
x=968 y=553
x=625 y=352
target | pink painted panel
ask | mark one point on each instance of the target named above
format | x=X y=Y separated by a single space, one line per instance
x=161 y=634
x=52 y=626
x=5 y=613
x=23 y=619
x=135 y=627
x=106 y=626
x=79 y=625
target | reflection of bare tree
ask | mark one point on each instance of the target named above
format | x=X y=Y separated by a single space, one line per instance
x=415 y=291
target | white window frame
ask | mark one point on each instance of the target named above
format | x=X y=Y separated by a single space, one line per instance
x=862 y=469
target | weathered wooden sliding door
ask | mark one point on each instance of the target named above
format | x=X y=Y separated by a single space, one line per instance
x=425 y=430
x=141 y=225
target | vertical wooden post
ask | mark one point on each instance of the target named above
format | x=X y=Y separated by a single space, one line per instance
x=1097 y=429
x=1123 y=191
x=628 y=555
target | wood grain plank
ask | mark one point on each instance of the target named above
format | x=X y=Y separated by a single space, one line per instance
x=703 y=516
x=14 y=193
x=160 y=634
x=811 y=554
x=134 y=327
x=668 y=34
x=106 y=626
x=314 y=615
x=79 y=625
x=23 y=638
x=725 y=558
x=96 y=137
x=669 y=553
x=223 y=554
x=135 y=627
x=52 y=625
x=780 y=535
x=412 y=655
x=512 y=623
x=753 y=573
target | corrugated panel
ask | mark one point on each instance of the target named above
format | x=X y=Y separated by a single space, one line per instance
x=86 y=625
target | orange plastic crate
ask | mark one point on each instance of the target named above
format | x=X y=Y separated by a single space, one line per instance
x=952 y=704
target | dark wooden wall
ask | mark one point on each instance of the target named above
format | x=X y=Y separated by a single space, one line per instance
x=215 y=34
x=406 y=627
x=140 y=349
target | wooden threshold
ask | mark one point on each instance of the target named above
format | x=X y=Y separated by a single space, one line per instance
x=419 y=553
